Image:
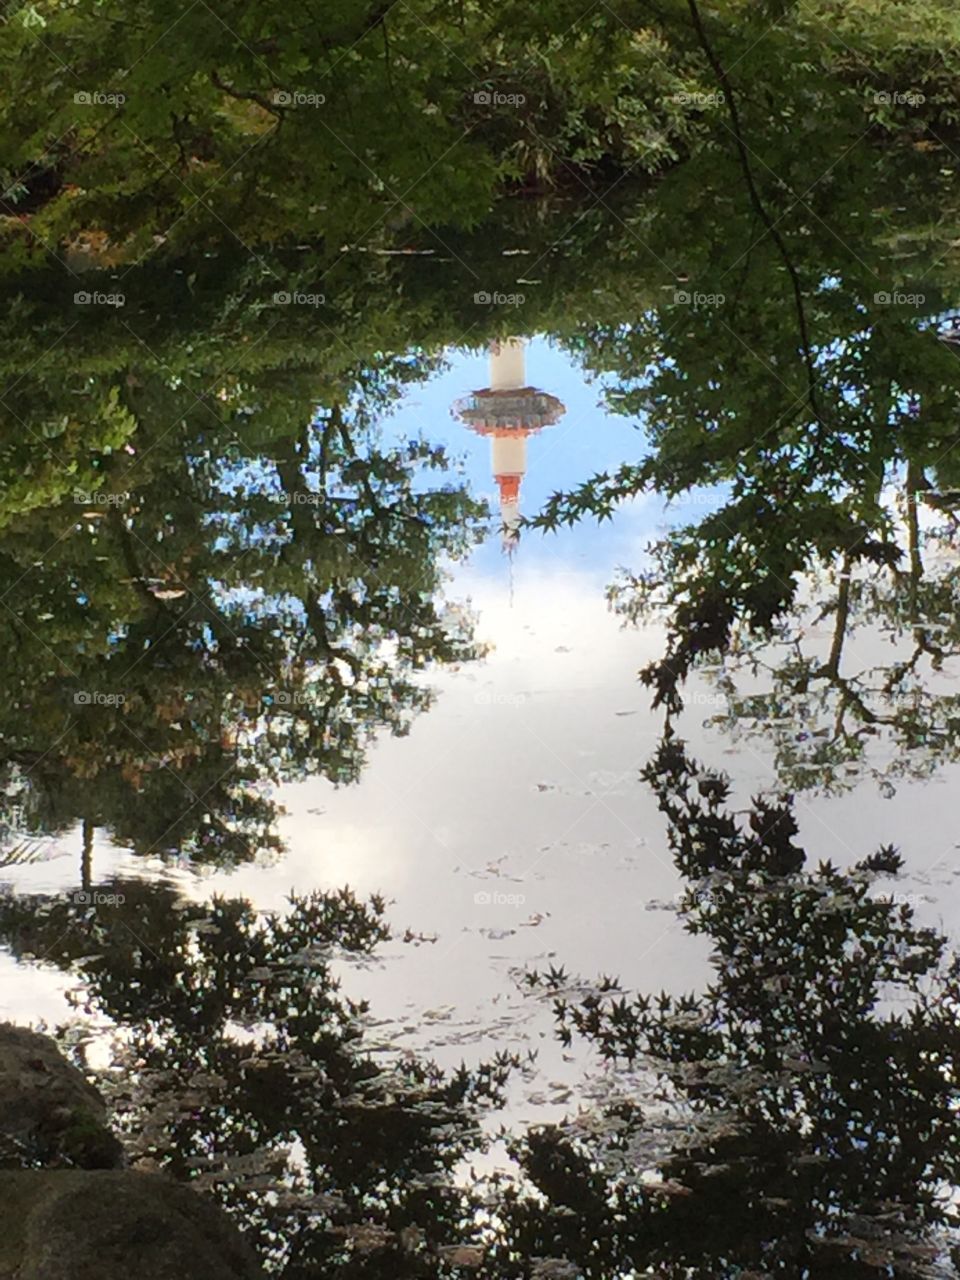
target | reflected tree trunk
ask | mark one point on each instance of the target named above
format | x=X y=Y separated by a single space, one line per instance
x=914 y=480
x=86 y=856
x=841 y=621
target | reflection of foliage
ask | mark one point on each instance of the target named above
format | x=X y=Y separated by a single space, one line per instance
x=258 y=576
x=811 y=1090
x=794 y=365
x=253 y=126
x=360 y=119
x=803 y=1122
x=206 y=621
x=856 y=680
x=244 y=1070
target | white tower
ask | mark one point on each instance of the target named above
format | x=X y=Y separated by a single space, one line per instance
x=508 y=411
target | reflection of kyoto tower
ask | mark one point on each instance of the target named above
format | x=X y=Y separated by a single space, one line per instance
x=508 y=411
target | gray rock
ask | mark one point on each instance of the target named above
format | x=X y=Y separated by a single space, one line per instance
x=74 y=1224
x=49 y=1114
x=81 y=1216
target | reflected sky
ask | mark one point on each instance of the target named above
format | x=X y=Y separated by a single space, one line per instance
x=509 y=828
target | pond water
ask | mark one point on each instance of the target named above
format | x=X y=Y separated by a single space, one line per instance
x=510 y=830
x=479 y=627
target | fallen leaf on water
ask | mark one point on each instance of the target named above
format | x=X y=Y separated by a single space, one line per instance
x=463 y=1255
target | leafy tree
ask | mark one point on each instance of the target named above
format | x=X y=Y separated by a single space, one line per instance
x=856 y=680
x=250 y=608
x=803 y=1123
x=241 y=1067
x=795 y=368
